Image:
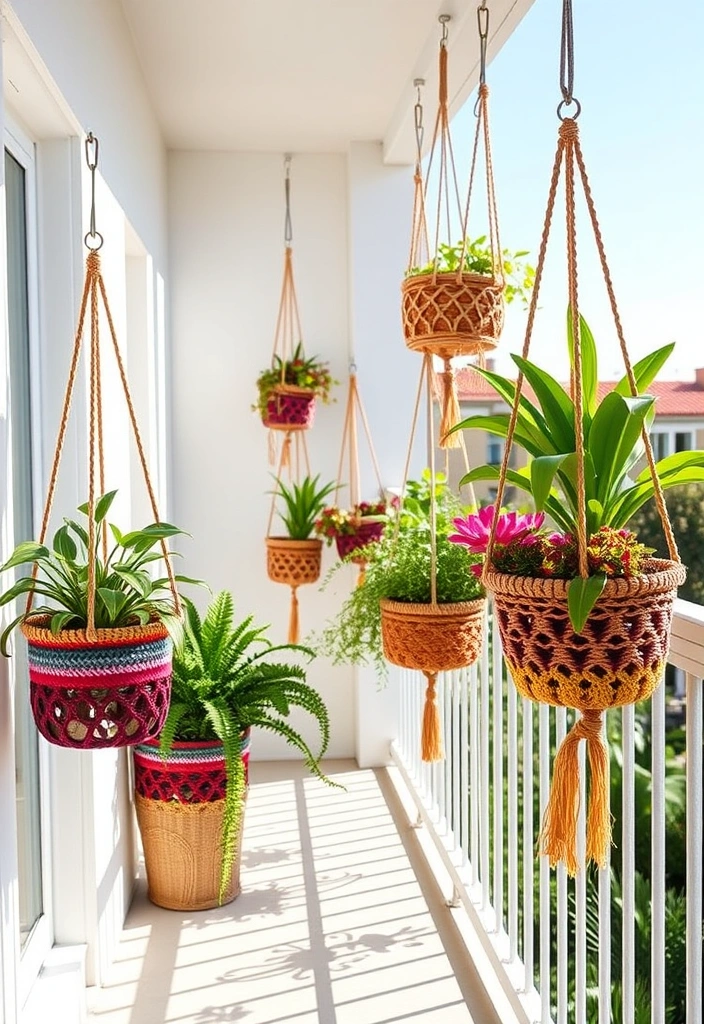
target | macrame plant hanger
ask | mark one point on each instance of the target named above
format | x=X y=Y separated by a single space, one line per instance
x=457 y=313
x=105 y=717
x=291 y=410
x=350 y=448
x=432 y=637
x=558 y=838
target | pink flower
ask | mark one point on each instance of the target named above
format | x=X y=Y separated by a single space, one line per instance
x=476 y=568
x=560 y=540
x=474 y=530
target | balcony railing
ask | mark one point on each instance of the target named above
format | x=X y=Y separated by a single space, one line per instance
x=611 y=946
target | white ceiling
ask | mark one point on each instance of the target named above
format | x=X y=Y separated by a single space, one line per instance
x=300 y=75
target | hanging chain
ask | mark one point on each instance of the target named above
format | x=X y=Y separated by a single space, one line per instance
x=92 y=151
x=288 y=226
x=418 y=119
x=567 y=63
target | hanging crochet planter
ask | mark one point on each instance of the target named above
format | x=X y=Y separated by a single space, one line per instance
x=452 y=298
x=432 y=638
x=180 y=804
x=290 y=408
x=364 y=534
x=293 y=563
x=111 y=691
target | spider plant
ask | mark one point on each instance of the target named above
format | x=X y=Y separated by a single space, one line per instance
x=302 y=504
x=225 y=680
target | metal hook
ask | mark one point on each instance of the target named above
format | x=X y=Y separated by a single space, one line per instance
x=92 y=148
x=444 y=19
x=288 y=226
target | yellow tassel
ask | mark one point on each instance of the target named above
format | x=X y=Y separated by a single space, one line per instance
x=293 y=626
x=558 y=837
x=431 y=738
x=272 y=448
x=362 y=574
x=286 y=451
x=450 y=409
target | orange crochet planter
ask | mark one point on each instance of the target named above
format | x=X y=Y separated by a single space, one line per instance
x=618 y=658
x=450 y=316
x=432 y=638
x=293 y=562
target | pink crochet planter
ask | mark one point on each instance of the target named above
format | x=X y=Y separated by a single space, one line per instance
x=290 y=408
x=191 y=773
x=366 y=533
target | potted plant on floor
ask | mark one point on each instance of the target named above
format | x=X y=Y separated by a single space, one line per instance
x=109 y=686
x=287 y=390
x=295 y=559
x=191 y=783
x=594 y=635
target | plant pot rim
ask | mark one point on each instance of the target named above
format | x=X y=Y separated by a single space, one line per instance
x=35 y=629
x=279 y=542
x=457 y=609
x=465 y=277
x=191 y=744
x=292 y=389
x=660 y=576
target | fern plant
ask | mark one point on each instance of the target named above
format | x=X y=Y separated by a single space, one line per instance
x=224 y=682
x=302 y=504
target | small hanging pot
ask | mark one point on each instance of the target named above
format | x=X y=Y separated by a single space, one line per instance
x=432 y=638
x=364 y=534
x=293 y=563
x=290 y=408
x=109 y=692
x=449 y=315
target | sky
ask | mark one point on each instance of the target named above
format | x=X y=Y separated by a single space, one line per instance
x=639 y=75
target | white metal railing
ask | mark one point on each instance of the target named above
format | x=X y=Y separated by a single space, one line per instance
x=554 y=942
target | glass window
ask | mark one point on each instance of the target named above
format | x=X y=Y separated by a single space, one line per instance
x=683 y=441
x=494 y=451
x=26 y=741
x=661 y=444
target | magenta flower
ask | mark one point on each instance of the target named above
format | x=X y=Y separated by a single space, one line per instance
x=474 y=530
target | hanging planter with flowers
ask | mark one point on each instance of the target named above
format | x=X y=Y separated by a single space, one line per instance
x=584 y=613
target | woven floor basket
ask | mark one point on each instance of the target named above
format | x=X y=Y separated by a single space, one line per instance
x=290 y=408
x=366 y=533
x=183 y=853
x=619 y=657
x=432 y=638
x=293 y=562
x=447 y=317
x=109 y=692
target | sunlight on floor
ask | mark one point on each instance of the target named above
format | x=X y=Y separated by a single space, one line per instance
x=331 y=927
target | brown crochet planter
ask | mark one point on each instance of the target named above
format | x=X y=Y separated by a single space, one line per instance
x=448 y=317
x=293 y=562
x=619 y=657
x=432 y=638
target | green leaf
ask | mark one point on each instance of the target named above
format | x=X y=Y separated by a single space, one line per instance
x=78 y=530
x=582 y=595
x=102 y=506
x=114 y=601
x=646 y=370
x=149 y=535
x=672 y=464
x=64 y=544
x=27 y=551
x=590 y=369
x=117 y=534
x=59 y=620
x=527 y=436
x=529 y=414
x=626 y=504
x=615 y=430
x=6 y=635
x=139 y=581
x=555 y=403
x=521 y=479
x=542 y=474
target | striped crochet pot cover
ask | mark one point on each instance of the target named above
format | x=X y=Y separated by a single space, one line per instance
x=192 y=772
x=290 y=408
x=111 y=691
x=366 y=533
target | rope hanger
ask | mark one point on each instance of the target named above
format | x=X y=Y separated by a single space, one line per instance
x=94 y=289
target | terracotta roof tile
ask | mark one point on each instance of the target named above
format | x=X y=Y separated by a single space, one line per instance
x=674 y=397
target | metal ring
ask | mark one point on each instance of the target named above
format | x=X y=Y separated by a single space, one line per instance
x=568 y=103
x=93 y=248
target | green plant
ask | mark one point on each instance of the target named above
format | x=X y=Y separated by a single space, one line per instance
x=125 y=592
x=611 y=429
x=224 y=682
x=302 y=503
x=686 y=509
x=310 y=373
x=519 y=276
x=399 y=568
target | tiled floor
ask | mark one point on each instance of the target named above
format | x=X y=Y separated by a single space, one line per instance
x=333 y=925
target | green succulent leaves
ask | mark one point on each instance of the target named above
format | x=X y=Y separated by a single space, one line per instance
x=302 y=504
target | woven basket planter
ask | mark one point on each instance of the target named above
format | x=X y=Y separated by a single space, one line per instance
x=109 y=692
x=180 y=803
x=293 y=562
x=290 y=408
x=620 y=656
x=449 y=317
x=366 y=533
x=432 y=638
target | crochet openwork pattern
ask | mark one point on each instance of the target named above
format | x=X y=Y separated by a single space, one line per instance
x=432 y=638
x=109 y=692
x=290 y=408
x=447 y=317
x=191 y=773
x=366 y=533
x=293 y=562
x=618 y=659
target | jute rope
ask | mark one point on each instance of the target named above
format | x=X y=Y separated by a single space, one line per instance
x=94 y=288
x=558 y=835
x=350 y=445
